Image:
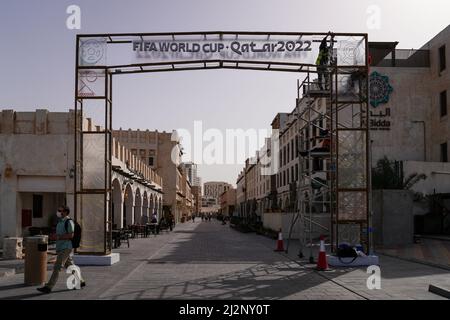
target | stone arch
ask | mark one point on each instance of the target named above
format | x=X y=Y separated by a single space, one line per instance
x=128 y=206
x=117 y=204
x=152 y=204
x=145 y=206
x=137 y=206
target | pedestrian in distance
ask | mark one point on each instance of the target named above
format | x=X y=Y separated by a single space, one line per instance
x=68 y=236
x=155 y=222
x=171 y=221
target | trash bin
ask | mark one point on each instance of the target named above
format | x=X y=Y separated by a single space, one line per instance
x=36 y=260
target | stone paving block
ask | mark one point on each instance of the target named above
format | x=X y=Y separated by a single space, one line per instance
x=212 y=261
x=7 y=272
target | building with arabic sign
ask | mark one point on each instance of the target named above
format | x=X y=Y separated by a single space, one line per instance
x=409 y=124
x=409 y=109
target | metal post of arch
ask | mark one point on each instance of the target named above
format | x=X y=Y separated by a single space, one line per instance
x=93 y=148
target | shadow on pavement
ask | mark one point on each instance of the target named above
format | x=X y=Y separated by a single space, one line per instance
x=13 y=286
x=23 y=296
x=233 y=266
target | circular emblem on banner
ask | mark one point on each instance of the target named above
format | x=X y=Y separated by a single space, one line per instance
x=350 y=52
x=380 y=89
x=92 y=51
x=91 y=76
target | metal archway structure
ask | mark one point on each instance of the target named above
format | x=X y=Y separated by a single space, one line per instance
x=100 y=57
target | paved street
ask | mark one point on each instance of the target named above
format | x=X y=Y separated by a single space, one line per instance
x=433 y=251
x=206 y=260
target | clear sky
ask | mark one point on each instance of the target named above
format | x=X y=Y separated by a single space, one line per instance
x=37 y=56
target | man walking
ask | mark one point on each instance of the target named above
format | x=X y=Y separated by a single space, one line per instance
x=171 y=221
x=64 y=233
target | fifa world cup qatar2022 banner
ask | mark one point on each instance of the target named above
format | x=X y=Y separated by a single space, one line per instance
x=231 y=50
x=284 y=48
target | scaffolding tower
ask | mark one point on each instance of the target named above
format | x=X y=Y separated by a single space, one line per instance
x=333 y=188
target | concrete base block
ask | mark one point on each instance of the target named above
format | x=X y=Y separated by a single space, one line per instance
x=91 y=260
x=12 y=248
x=347 y=262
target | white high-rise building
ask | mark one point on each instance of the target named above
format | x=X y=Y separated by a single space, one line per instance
x=191 y=171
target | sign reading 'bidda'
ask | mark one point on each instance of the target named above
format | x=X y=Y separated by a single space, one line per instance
x=380 y=91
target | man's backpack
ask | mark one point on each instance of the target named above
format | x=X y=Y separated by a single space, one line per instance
x=76 y=233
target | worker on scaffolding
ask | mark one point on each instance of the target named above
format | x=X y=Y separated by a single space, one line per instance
x=322 y=61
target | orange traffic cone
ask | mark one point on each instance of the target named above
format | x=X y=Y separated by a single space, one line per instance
x=322 y=261
x=280 y=244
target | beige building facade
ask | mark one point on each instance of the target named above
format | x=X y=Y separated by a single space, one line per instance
x=241 y=194
x=197 y=198
x=228 y=202
x=414 y=122
x=37 y=172
x=185 y=207
x=213 y=189
x=162 y=151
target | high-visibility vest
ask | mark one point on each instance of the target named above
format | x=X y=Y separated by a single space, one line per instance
x=322 y=57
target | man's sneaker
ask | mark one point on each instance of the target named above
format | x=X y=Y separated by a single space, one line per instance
x=83 y=284
x=44 y=289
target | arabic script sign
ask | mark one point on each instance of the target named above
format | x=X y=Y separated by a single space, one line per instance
x=380 y=120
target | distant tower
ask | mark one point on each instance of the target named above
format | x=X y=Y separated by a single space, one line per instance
x=191 y=171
